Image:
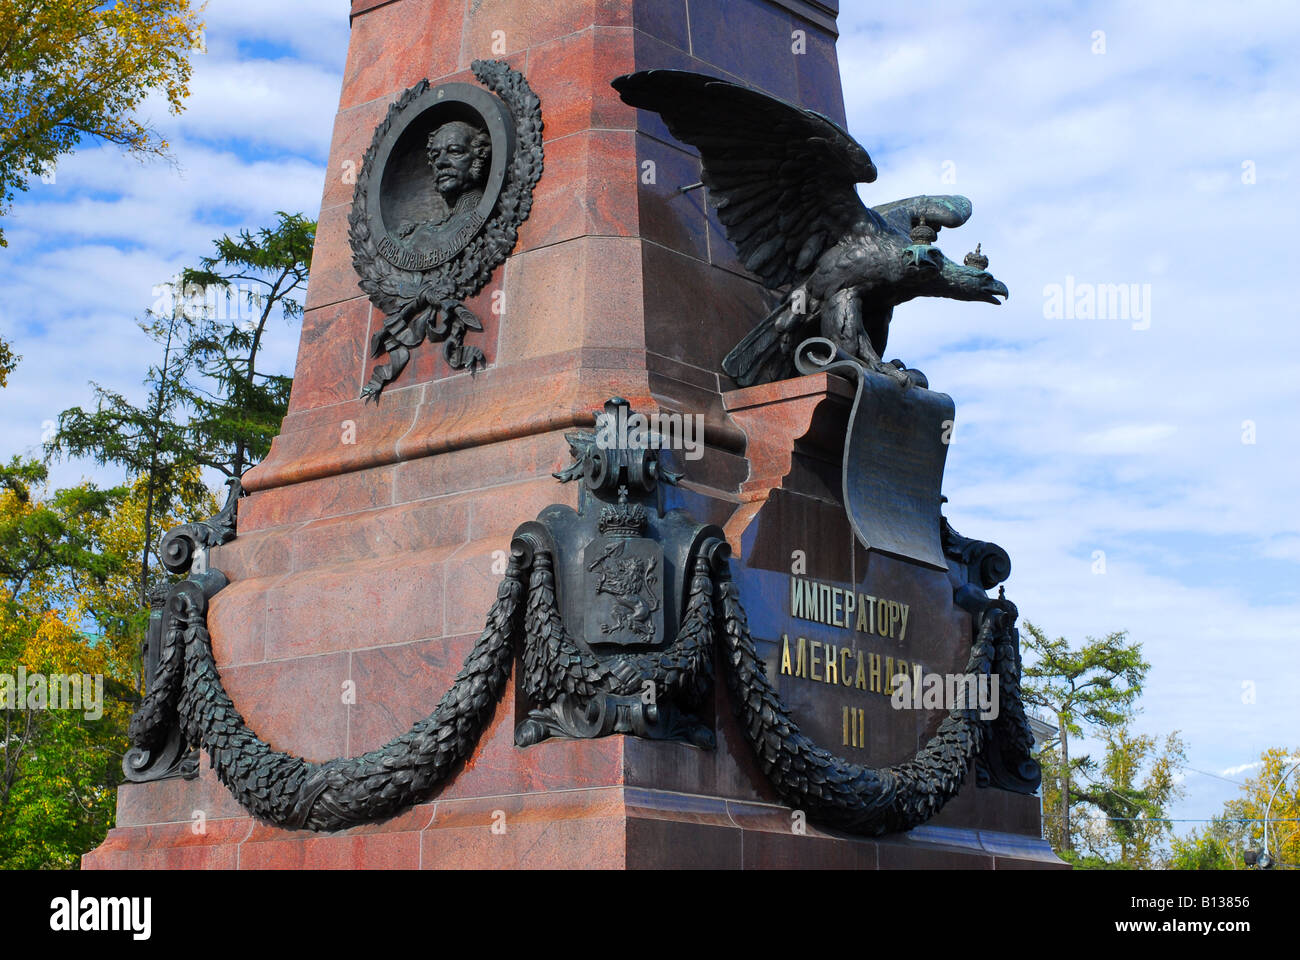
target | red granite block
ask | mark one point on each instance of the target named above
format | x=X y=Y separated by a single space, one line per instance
x=178 y=846
x=484 y=466
x=818 y=73
x=294 y=705
x=472 y=575
x=572 y=74
x=386 y=851
x=693 y=312
x=544 y=294
x=354 y=128
x=313 y=499
x=595 y=844
x=766 y=59
x=311 y=418
x=497 y=512
x=396 y=45
x=897 y=852
x=789 y=851
x=589 y=189
x=577 y=829
x=349 y=606
x=266 y=553
x=361 y=6
x=391 y=845
x=237 y=621
x=344 y=436
x=665 y=765
x=665 y=20
x=331 y=363
x=661 y=845
x=502 y=409
x=393 y=531
x=332 y=276
x=176 y=800
x=398 y=685
x=497 y=766
x=668 y=216
x=584 y=291
x=497 y=27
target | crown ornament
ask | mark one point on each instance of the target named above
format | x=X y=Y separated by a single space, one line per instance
x=623 y=519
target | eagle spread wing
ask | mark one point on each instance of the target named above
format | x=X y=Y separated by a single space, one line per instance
x=782 y=178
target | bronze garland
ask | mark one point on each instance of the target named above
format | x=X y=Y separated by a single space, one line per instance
x=291 y=792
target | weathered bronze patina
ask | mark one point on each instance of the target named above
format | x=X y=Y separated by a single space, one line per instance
x=783 y=180
x=894 y=453
x=446 y=183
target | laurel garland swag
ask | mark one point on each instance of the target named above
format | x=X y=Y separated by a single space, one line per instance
x=291 y=792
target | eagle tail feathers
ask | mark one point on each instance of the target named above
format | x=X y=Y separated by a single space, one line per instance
x=766 y=353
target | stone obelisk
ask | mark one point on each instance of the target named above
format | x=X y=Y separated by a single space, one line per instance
x=372 y=536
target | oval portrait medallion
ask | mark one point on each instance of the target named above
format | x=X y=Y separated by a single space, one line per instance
x=447 y=181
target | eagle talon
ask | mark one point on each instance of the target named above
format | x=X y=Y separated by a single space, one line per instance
x=894 y=373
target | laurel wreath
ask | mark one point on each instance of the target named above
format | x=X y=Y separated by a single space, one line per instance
x=433 y=299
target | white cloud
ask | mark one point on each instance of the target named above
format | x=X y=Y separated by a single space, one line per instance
x=1077 y=436
x=87 y=251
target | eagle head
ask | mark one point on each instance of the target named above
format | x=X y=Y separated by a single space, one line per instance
x=960 y=282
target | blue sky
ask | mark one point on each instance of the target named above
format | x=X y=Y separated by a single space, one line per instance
x=1167 y=161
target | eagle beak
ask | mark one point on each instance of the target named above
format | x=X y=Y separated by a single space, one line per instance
x=993 y=288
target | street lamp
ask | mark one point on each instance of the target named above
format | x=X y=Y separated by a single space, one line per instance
x=1265 y=861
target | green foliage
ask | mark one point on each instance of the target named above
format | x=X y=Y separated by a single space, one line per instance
x=67 y=606
x=1093 y=689
x=1137 y=781
x=1095 y=685
x=150 y=441
x=71 y=69
x=57 y=767
x=233 y=426
x=209 y=406
x=8 y=360
x=48 y=548
x=1272 y=795
x=71 y=599
x=1218 y=846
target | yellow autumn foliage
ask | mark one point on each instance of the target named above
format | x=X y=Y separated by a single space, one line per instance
x=82 y=68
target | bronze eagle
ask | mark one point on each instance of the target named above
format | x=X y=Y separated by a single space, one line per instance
x=783 y=181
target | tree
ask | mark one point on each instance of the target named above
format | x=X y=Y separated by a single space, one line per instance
x=1218 y=846
x=1094 y=686
x=1221 y=844
x=1136 y=783
x=72 y=69
x=8 y=360
x=49 y=550
x=209 y=405
x=152 y=442
x=67 y=609
x=259 y=273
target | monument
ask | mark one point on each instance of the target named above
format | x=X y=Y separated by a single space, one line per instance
x=647 y=566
